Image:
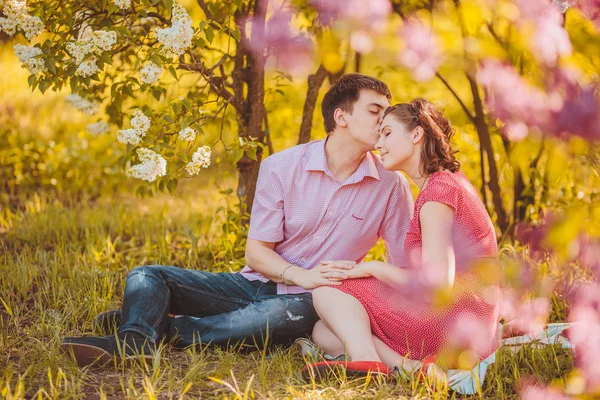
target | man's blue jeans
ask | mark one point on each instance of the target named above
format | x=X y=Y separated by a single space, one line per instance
x=217 y=308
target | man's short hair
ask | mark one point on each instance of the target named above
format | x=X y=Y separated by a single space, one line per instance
x=345 y=92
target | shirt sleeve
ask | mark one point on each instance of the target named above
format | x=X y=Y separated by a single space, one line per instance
x=267 y=217
x=396 y=222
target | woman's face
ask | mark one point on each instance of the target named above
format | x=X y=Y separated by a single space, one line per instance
x=396 y=144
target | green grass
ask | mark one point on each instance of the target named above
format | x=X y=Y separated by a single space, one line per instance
x=62 y=264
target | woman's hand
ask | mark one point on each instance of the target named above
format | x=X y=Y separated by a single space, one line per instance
x=323 y=274
x=362 y=270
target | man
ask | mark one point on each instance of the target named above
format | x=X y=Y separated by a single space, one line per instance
x=325 y=200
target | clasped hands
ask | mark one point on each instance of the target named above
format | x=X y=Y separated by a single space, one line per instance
x=334 y=272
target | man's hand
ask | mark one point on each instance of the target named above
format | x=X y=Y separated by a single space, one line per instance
x=326 y=273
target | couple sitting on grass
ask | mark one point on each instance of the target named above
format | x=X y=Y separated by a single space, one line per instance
x=318 y=209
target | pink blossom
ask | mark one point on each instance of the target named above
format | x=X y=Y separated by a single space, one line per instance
x=585 y=333
x=469 y=332
x=363 y=20
x=524 y=317
x=578 y=112
x=354 y=12
x=293 y=51
x=550 y=40
x=513 y=100
x=531 y=392
x=591 y=9
x=421 y=53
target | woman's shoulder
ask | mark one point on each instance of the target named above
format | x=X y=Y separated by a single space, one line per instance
x=446 y=186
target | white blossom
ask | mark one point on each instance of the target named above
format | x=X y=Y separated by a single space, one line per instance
x=150 y=73
x=177 y=38
x=91 y=43
x=140 y=121
x=28 y=55
x=87 y=68
x=83 y=105
x=188 y=134
x=129 y=136
x=98 y=128
x=200 y=159
x=140 y=124
x=18 y=18
x=151 y=167
x=123 y=4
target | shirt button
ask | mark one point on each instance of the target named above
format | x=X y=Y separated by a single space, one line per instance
x=330 y=213
x=317 y=237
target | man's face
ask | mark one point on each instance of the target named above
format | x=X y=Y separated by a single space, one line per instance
x=365 y=120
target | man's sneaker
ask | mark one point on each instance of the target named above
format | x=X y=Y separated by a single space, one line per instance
x=107 y=322
x=103 y=349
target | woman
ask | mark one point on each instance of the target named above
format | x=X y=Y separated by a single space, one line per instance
x=374 y=314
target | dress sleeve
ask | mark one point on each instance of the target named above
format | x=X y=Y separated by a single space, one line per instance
x=448 y=193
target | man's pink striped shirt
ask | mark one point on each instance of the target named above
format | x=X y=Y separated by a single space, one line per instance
x=299 y=206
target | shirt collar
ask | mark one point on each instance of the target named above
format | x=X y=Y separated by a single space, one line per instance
x=318 y=162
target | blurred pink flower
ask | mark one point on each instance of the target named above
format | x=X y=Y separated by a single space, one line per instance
x=550 y=40
x=578 y=110
x=591 y=9
x=358 y=13
x=589 y=254
x=525 y=317
x=564 y=5
x=421 y=53
x=512 y=99
x=585 y=333
x=532 y=392
x=564 y=108
x=363 y=19
x=470 y=333
x=293 y=51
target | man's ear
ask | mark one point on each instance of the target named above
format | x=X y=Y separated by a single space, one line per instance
x=340 y=118
x=418 y=134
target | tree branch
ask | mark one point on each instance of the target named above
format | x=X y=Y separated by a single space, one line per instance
x=462 y=104
x=216 y=82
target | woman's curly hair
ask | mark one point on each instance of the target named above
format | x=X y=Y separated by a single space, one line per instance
x=436 y=154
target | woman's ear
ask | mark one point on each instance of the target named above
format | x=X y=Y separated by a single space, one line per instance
x=418 y=134
x=340 y=119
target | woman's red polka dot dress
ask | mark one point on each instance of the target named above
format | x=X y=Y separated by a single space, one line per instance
x=409 y=326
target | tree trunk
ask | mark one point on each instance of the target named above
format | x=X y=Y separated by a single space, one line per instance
x=251 y=117
x=315 y=81
x=486 y=143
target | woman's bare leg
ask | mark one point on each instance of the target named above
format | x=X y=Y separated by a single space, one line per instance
x=348 y=320
x=323 y=337
x=331 y=344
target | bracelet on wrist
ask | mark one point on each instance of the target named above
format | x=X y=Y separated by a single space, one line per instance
x=283 y=272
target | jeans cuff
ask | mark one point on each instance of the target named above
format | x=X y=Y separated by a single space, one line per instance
x=151 y=338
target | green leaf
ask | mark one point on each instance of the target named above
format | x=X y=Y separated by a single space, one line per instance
x=156 y=93
x=168 y=118
x=236 y=35
x=182 y=157
x=172 y=71
x=236 y=155
x=168 y=4
x=209 y=33
x=252 y=154
x=172 y=185
x=31 y=79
